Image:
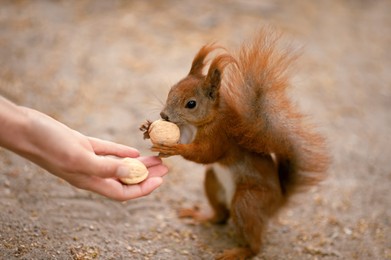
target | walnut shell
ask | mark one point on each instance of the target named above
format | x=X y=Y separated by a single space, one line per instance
x=137 y=171
x=164 y=132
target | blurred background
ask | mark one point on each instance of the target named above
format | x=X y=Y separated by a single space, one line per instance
x=103 y=67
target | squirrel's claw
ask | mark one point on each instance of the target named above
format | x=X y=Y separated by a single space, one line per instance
x=144 y=128
x=162 y=155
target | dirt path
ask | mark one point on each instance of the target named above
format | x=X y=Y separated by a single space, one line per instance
x=102 y=67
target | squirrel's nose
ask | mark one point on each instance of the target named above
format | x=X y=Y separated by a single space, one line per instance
x=164 y=116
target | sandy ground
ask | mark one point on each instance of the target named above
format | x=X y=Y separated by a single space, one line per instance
x=102 y=67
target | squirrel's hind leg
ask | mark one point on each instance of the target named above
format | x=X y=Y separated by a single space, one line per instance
x=213 y=190
x=238 y=253
x=254 y=202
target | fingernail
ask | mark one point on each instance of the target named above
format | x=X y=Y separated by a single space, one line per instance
x=123 y=171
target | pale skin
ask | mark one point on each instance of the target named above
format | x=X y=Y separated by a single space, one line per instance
x=85 y=162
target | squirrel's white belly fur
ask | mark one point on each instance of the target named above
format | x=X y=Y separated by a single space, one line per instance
x=226 y=178
x=188 y=133
x=223 y=174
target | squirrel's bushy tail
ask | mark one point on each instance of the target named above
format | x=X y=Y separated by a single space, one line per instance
x=264 y=120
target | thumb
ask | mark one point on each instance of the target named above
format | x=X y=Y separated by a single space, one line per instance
x=108 y=167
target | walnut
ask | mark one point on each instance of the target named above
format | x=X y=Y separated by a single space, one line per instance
x=164 y=132
x=137 y=171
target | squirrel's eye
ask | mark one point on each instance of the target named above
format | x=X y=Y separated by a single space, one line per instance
x=191 y=104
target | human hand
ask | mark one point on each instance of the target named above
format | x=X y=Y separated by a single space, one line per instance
x=105 y=181
x=85 y=162
x=105 y=171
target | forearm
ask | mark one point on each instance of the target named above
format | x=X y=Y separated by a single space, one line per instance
x=14 y=121
x=201 y=152
x=204 y=152
x=28 y=132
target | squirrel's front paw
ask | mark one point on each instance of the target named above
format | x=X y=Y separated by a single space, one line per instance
x=144 y=128
x=166 y=150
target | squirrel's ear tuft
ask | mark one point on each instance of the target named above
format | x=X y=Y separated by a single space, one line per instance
x=213 y=79
x=213 y=82
x=199 y=60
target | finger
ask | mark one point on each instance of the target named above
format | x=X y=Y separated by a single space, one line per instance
x=102 y=147
x=115 y=190
x=142 y=189
x=150 y=161
x=103 y=166
x=107 y=167
x=157 y=171
x=154 y=166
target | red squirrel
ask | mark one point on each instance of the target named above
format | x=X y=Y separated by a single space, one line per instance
x=238 y=120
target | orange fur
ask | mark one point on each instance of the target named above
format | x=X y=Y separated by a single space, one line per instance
x=242 y=116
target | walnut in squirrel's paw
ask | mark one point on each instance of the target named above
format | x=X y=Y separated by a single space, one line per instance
x=137 y=171
x=161 y=132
